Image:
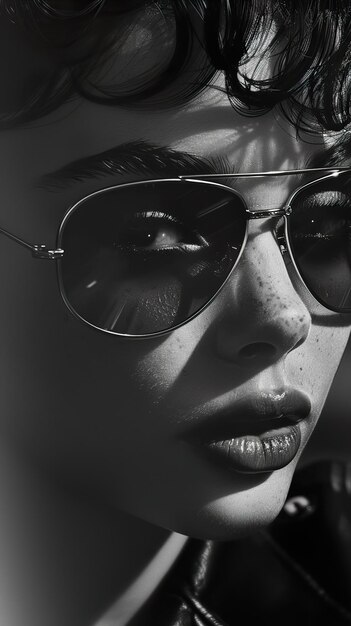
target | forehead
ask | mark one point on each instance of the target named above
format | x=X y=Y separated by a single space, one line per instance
x=206 y=127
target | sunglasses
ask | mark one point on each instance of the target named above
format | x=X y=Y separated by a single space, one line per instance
x=141 y=259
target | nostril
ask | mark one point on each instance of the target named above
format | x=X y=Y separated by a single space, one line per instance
x=257 y=350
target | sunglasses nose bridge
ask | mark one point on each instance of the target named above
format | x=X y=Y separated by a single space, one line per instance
x=272 y=214
x=278 y=212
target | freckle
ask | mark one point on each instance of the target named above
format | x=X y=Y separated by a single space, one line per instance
x=300 y=319
x=300 y=369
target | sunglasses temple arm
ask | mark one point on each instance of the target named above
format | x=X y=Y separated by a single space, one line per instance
x=39 y=251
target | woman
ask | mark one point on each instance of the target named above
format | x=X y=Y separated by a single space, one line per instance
x=166 y=385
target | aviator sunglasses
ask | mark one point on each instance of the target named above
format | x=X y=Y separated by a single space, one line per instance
x=143 y=258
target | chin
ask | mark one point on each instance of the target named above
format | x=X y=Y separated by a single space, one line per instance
x=241 y=513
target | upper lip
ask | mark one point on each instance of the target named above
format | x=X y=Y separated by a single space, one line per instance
x=253 y=415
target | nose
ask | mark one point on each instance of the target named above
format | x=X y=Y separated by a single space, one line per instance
x=261 y=317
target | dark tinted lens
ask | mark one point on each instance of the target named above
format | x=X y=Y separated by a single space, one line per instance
x=143 y=258
x=320 y=238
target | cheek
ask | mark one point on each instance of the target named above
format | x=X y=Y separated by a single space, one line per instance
x=159 y=367
x=182 y=370
x=314 y=364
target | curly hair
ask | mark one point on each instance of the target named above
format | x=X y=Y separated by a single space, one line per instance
x=308 y=43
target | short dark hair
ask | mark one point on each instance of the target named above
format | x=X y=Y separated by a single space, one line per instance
x=309 y=40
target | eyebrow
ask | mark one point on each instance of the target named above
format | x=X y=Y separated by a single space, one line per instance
x=134 y=158
x=144 y=158
x=337 y=155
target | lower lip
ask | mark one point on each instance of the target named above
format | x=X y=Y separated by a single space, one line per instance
x=258 y=453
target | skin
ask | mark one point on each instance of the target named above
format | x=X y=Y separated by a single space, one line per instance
x=92 y=425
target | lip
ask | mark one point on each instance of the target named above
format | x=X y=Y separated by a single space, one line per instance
x=260 y=433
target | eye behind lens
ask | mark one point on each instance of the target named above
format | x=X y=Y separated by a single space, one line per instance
x=319 y=230
x=143 y=258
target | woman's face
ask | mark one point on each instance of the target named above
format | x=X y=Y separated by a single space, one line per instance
x=123 y=420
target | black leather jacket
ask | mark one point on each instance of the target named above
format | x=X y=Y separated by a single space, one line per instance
x=296 y=573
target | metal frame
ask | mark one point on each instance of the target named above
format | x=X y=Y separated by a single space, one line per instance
x=39 y=251
x=42 y=251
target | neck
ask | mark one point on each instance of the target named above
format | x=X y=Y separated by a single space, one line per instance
x=134 y=597
x=65 y=559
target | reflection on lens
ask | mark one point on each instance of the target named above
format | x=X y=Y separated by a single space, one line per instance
x=145 y=257
x=320 y=238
